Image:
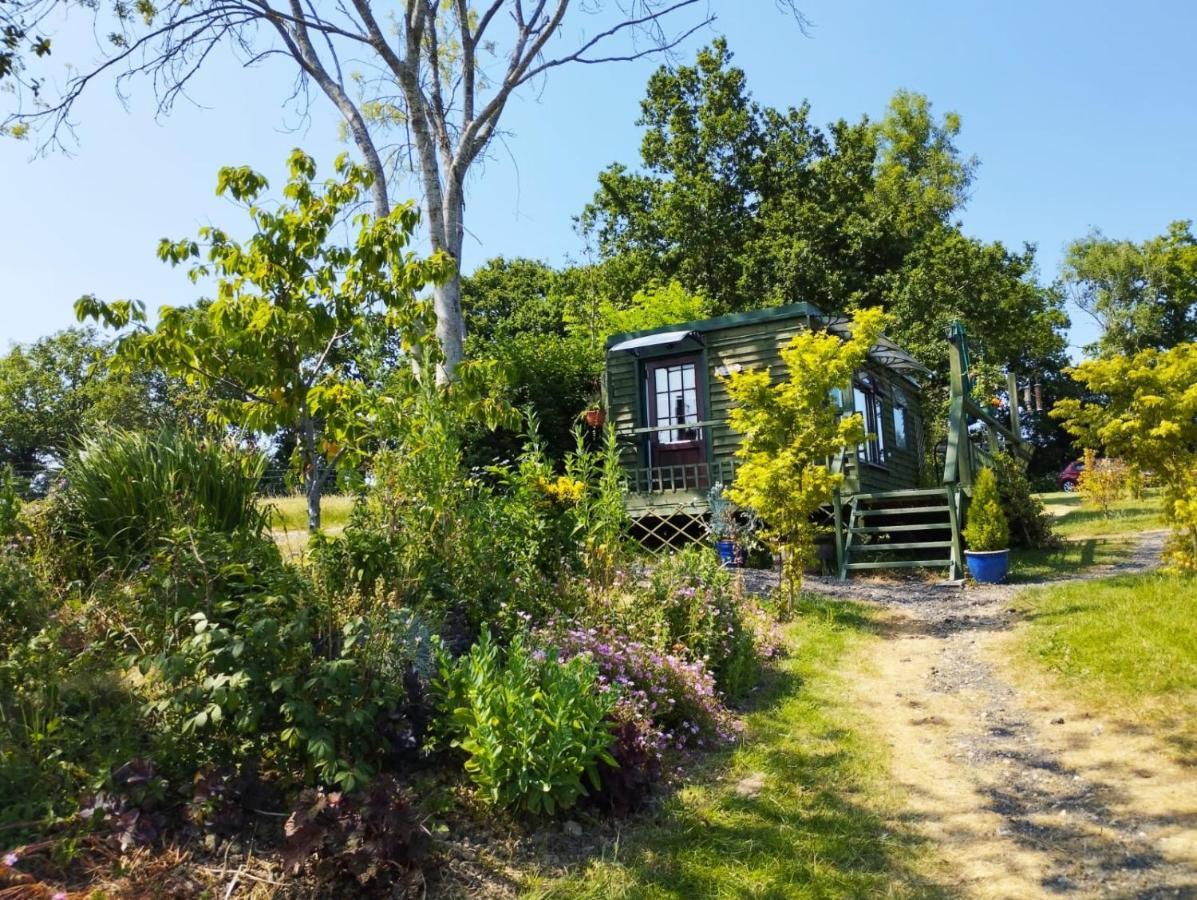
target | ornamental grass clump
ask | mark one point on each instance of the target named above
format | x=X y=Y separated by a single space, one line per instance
x=987 y=529
x=126 y=493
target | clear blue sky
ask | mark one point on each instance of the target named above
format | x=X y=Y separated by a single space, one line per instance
x=1082 y=114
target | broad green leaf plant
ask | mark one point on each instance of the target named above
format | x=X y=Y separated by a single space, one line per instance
x=791 y=429
x=277 y=342
x=1144 y=411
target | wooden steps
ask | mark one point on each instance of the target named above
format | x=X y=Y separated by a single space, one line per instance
x=923 y=520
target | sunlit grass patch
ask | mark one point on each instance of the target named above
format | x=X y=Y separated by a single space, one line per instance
x=1073 y=557
x=1126 y=644
x=800 y=808
x=1127 y=516
x=291 y=513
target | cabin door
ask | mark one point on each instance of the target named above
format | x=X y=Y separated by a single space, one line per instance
x=678 y=451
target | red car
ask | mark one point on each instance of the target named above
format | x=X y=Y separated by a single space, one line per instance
x=1069 y=475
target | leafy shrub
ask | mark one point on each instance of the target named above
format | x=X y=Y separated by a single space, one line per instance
x=23 y=604
x=241 y=662
x=676 y=695
x=692 y=604
x=636 y=749
x=468 y=549
x=1103 y=482
x=986 y=528
x=373 y=841
x=127 y=491
x=67 y=720
x=531 y=725
x=10 y=504
x=1030 y=525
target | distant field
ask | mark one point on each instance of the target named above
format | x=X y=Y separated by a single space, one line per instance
x=1128 y=516
x=291 y=513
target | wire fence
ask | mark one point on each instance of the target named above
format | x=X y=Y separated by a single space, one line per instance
x=35 y=482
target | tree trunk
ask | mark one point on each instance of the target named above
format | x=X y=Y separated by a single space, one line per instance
x=447 y=235
x=313 y=478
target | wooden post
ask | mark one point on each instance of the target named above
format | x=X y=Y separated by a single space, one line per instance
x=837 y=506
x=1012 y=391
x=957 y=462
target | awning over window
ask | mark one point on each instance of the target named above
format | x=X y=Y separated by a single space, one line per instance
x=665 y=338
x=884 y=351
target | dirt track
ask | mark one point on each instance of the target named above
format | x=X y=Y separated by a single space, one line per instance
x=1024 y=794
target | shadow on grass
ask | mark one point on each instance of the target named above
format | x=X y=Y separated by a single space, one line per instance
x=1073 y=557
x=787 y=813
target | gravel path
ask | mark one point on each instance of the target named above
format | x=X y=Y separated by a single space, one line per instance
x=1024 y=794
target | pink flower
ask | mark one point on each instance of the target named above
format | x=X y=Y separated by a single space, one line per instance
x=10 y=859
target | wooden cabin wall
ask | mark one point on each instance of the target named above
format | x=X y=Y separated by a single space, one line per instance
x=758 y=345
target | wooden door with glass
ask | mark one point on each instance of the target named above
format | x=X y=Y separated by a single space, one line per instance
x=677 y=449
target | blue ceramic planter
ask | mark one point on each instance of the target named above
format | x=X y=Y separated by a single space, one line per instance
x=727 y=553
x=988 y=567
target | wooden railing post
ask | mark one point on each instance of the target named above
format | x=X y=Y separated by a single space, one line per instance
x=1012 y=392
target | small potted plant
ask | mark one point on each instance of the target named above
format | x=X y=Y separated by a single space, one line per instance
x=987 y=532
x=724 y=527
x=595 y=416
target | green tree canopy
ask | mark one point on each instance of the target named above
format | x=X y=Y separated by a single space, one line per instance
x=61 y=388
x=290 y=306
x=752 y=206
x=1143 y=409
x=1144 y=295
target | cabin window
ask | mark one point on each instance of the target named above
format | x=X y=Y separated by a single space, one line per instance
x=675 y=391
x=870 y=405
x=901 y=442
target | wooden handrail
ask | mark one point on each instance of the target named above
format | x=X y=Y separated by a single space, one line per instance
x=676 y=427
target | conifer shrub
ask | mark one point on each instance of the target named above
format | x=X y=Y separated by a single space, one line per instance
x=986 y=528
x=1030 y=524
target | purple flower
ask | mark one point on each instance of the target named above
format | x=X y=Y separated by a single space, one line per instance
x=10 y=859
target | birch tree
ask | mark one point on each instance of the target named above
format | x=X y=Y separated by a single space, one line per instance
x=422 y=85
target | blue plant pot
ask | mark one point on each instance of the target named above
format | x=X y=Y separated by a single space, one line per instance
x=988 y=567
x=727 y=553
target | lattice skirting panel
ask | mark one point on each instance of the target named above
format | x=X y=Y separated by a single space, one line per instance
x=666 y=531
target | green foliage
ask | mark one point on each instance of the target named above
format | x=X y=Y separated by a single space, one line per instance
x=531 y=728
x=291 y=308
x=1103 y=482
x=692 y=602
x=1031 y=527
x=516 y=315
x=600 y=516
x=1144 y=411
x=650 y=308
x=1144 y=295
x=754 y=206
x=986 y=528
x=127 y=492
x=791 y=429
x=10 y=504
x=64 y=386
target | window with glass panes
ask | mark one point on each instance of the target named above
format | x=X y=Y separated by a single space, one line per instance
x=676 y=395
x=868 y=402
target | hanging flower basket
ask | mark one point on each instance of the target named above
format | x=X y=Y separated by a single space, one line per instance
x=596 y=418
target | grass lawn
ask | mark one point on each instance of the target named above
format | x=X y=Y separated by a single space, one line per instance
x=1125 y=644
x=800 y=808
x=1127 y=516
x=291 y=513
x=1075 y=555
